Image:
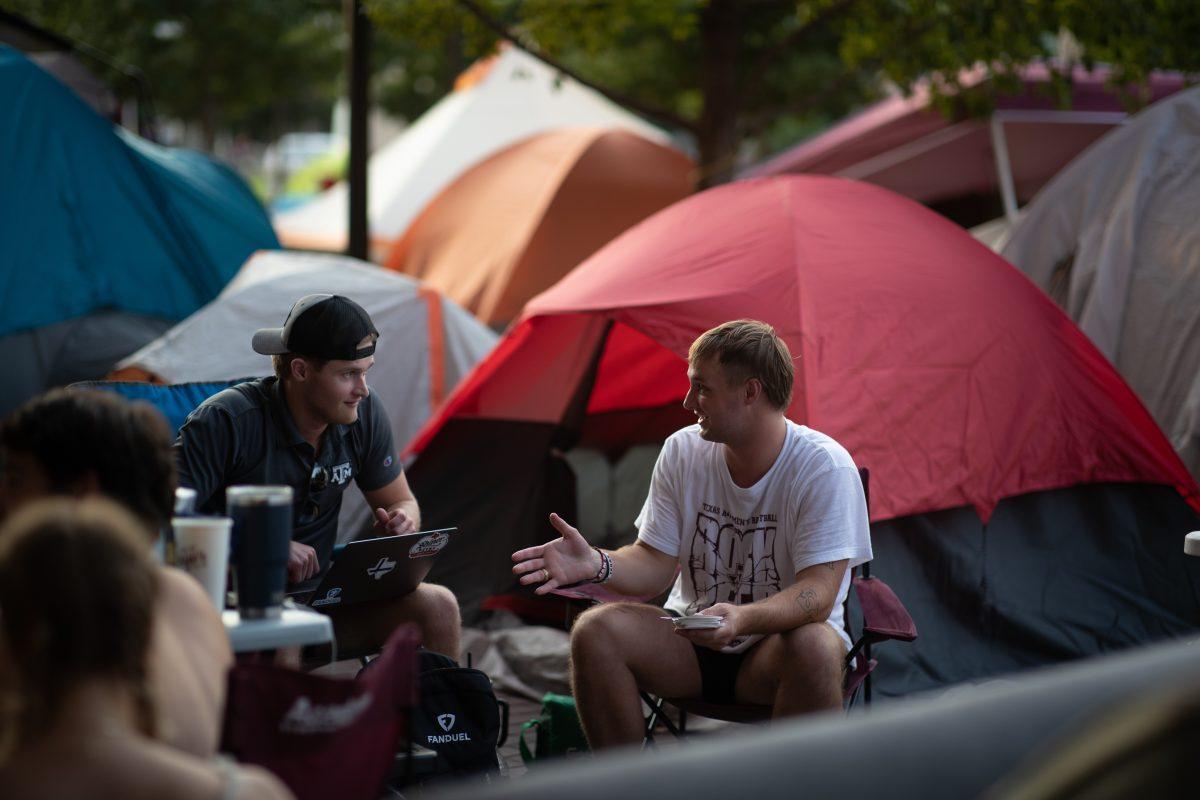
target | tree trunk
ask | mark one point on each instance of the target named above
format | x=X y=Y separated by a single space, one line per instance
x=208 y=125
x=717 y=139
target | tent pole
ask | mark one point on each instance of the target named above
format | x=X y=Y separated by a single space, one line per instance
x=358 y=69
x=1003 y=169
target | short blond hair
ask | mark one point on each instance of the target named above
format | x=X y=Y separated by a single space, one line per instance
x=747 y=348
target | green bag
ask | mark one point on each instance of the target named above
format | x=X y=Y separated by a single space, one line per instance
x=558 y=730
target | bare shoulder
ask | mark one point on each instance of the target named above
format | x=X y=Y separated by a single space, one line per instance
x=180 y=590
x=185 y=603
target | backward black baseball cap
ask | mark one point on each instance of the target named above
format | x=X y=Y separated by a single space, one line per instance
x=325 y=326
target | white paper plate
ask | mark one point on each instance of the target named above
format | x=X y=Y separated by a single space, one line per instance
x=696 y=622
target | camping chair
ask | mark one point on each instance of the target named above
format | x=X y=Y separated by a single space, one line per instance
x=325 y=737
x=884 y=617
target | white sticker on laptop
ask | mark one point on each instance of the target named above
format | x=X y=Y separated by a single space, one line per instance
x=332 y=597
x=429 y=545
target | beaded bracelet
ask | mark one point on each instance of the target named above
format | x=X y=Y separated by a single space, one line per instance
x=608 y=571
x=604 y=573
x=599 y=576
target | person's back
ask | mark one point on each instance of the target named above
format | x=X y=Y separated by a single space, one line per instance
x=79 y=595
x=188 y=662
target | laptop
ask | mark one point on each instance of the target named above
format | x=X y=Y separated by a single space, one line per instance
x=377 y=569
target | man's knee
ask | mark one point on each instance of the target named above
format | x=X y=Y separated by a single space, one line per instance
x=600 y=630
x=812 y=647
x=437 y=603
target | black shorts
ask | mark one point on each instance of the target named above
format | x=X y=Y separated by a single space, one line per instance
x=718 y=673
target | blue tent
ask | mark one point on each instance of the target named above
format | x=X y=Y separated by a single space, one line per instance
x=95 y=221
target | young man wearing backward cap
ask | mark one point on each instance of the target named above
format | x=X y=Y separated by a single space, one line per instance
x=315 y=426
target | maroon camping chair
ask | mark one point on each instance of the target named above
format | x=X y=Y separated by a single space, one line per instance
x=884 y=617
x=325 y=737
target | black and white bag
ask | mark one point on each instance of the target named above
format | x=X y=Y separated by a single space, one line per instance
x=458 y=716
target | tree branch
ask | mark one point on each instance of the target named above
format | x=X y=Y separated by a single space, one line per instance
x=660 y=115
x=757 y=125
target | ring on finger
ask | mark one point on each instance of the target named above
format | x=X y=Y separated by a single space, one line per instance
x=545 y=574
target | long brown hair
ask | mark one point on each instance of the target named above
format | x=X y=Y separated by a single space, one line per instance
x=77 y=597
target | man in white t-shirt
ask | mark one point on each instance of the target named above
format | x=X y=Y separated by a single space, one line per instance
x=761 y=518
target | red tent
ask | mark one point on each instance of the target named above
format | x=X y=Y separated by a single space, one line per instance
x=937 y=364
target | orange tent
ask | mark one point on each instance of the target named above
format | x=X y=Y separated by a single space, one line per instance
x=513 y=225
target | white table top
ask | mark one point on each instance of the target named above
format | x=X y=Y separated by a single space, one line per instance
x=1191 y=543
x=295 y=627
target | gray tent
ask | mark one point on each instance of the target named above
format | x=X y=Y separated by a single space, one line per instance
x=1114 y=240
x=83 y=348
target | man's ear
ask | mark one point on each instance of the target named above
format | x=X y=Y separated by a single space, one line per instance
x=300 y=369
x=752 y=390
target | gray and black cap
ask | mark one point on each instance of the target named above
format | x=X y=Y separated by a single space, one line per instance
x=325 y=326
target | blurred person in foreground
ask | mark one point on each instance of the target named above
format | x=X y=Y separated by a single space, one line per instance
x=762 y=518
x=78 y=592
x=70 y=443
x=315 y=426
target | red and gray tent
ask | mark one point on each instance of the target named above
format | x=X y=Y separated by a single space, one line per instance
x=970 y=169
x=1024 y=505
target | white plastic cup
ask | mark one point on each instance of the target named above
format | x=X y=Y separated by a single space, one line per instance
x=202 y=551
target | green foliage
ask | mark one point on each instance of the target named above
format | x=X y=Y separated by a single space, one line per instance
x=259 y=67
x=913 y=39
x=742 y=77
x=651 y=54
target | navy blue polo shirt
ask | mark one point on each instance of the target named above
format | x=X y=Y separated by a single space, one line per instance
x=246 y=435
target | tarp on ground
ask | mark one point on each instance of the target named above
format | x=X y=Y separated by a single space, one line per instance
x=1114 y=240
x=94 y=220
x=905 y=144
x=513 y=225
x=426 y=342
x=497 y=102
x=1025 y=506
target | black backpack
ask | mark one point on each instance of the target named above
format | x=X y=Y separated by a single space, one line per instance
x=458 y=716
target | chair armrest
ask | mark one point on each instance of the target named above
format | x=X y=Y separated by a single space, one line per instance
x=884 y=616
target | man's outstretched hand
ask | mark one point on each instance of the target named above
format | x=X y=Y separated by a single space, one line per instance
x=566 y=560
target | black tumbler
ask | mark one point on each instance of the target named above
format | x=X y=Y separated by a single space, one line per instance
x=262 y=534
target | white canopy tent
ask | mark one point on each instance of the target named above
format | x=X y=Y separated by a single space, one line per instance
x=498 y=102
x=426 y=342
x=1114 y=240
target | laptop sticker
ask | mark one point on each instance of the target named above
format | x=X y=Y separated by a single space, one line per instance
x=382 y=567
x=428 y=545
x=332 y=597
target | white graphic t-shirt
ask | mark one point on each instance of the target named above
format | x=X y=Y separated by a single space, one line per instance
x=738 y=545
